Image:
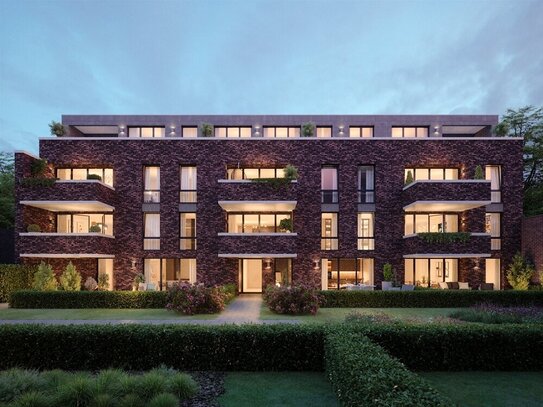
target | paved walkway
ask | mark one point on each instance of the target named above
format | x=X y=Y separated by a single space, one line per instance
x=244 y=309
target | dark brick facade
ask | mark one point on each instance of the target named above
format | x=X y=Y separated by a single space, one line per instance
x=446 y=191
x=532 y=242
x=476 y=244
x=212 y=156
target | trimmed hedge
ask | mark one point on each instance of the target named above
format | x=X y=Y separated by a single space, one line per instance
x=184 y=347
x=451 y=347
x=428 y=298
x=88 y=299
x=362 y=373
x=15 y=277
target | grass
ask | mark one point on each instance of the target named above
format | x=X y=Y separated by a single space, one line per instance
x=492 y=389
x=491 y=314
x=96 y=314
x=283 y=389
x=339 y=314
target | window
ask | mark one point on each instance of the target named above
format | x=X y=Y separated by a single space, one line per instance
x=85 y=223
x=329 y=193
x=360 y=132
x=81 y=174
x=259 y=222
x=188 y=177
x=493 y=226
x=430 y=272
x=410 y=132
x=233 y=132
x=343 y=272
x=366 y=239
x=493 y=173
x=160 y=274
x=254 y=173
x=281 y=132
x=151 y=180
x=435 y=174
x=324 y=132
x=190 y=132
x=151 y=233
x=493 y=273
x=329 y=233
x=146 y=132
x=366 y=181
x=187 y=231
x=430 y=222
x=282 y=271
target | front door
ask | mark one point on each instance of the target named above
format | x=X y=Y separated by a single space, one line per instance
x=252 y=275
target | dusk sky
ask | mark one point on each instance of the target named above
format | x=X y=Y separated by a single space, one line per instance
x=253 y=57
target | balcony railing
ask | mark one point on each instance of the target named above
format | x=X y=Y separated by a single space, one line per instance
x=151 y=196
x=366 y=243
x=366 y=196
x=187 y=243
x=329 y=243
x=188 y=196
x=329 y=196
x=151 y=243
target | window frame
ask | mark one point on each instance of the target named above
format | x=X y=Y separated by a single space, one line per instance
x=239 y=128
x=152 y=238
x=192 y=239
x=103 y=169
x=356 y=270
x=330 y=241
x=147 y=127
x=189 y=192
x=427 y=214
x=361 y=239
x=151 y=190
x=71 y=215
x=364 y=192
x=360 y=131
x=410 y=127
x=333 y=194
x=290 y=129
x=276 y=221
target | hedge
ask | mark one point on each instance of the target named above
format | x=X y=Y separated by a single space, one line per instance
x=429 y=298
x=363 y=374
x=184 y=347
x=88 y=299
x=452 y=347
x=15 y=277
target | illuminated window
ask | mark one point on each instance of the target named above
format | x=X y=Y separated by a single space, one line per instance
x=233 y=132
x=360 y=132
x=151 y=231
x=151 y=181
x=329 y=183
x=187 y=231
x=81 y=174
x=146 y=132
x=281 y=132
x=188 y=188
x=190 y=132
x=366 y=238
x=324 y=132
x=435 y=174
x=329 y=234
x=409 y=132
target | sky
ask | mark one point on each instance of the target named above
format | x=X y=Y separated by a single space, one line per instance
x=263 y=57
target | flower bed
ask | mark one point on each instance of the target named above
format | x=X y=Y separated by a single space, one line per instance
x=492 y=314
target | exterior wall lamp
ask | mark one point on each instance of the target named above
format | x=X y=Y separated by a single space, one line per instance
x=172 y=131
x=121 y=131
x=436 y=131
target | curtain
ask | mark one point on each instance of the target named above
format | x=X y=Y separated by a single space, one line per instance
x=369 y=184
x=192 y=271
x=152 y=178
x=152 y=225
x=188 y=178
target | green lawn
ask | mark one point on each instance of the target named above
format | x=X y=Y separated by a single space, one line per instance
x=339 y=314
x=492 y=389
x=277 y=389
x=95 y=313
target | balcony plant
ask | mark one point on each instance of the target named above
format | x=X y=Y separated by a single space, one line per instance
x=519 y=273
x=33 y=228
x=444 y=237
x=139 y=280
x=206 y=130
x=285 y=225
x=308 y=129
x=290 y=172
x=94 y=176
x=479 y=173
x=409 y=178
x=44 y=279
x=95 y=229
x=37 y=177
x=70 y=280
x=388 y=276
x=56 y=128
x=103 y=282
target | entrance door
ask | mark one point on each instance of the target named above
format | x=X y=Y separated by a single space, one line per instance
x=252 y=275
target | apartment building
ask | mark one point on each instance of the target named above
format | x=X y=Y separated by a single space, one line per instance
x=205 y=199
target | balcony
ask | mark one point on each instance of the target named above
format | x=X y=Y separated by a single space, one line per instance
x=233 y=244
x=445 y=196
x=66 y=243
x=229 y=190
x=70 y=191
x=478 y=243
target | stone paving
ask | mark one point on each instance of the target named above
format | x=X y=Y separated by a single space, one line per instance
x=244 y=309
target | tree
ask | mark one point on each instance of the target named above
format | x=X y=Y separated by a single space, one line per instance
x=519 y=273
x=7 y=191
x=70 y=280
x=44 y=279
x=527 y=122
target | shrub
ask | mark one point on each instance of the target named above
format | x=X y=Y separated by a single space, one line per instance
x=230 y=290
x=308 y=129
x=15 y=277
x=44 y=279
x=388 y=272
x=70 y=280
x=38 y=182
x=95 y=229
x=193 y=299
x=445 y=237
x=491 y=314
x=292 y=299
x=430 y=298
x=362 y=373
x=138 y=279
x=103 y=281
x=291 y=172
x=206 y=130
x=519 y=273
x=286 y=224
x=88 y=299
x=164 y=400
x=33 y=228
x=94 y=176
x=90 y=284
x=38 y=167
x=56 y=128
x=409 y=178
x=479 y=173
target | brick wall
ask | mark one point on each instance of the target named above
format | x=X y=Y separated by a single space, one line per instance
x=532 y=241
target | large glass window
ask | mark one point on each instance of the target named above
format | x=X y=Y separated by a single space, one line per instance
x=233 y=132
x=329 y=184
x=151 y=233
x=493 y=173
x=430 y=222
x=283 y=271
x=430 y=272
x=493 y=273
x=187 y=231
x=360 y=132
x=493 y=226
x=147 y=132
x=343 y=272
x=366 y=184
x=437 y=174
x=161 y=274
x=281 y=132
x=85 y=223
x=366 y=239
x=409 y=132
x=254 y=173
x=259 y=222
x=151 y=181
x=324 y=132
x=329 y=233
x=190 y=131
x=81 y=174
x=188 y=187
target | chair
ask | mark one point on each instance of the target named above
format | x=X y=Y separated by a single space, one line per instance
x=443 y=285
x=151 y=287
x=408 y=287
x=463 y=286
x=453 y=285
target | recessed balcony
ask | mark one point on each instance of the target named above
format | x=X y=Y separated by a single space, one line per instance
x=445 y=196
x=422 y=244
x=69 y=191
x=65 y=243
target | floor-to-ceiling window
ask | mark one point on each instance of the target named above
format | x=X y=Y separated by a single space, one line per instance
x=430 y=222
x=151 y=184
x=493 y=226
x=366 y=184
x=430 y=272
x=329 y=184
x=366 y=239
x=151 y=231
x=188 y=185
x=340 y=273
x=493 y=173
x=162 y=273
x=329 y=232
x=85 y=223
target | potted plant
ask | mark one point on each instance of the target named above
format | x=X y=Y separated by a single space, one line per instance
x=206 y=130
x=308 y=129
x=94 y=176
x=57 y=129
x=103 y=282
x=409 y=178
x=388 y=276
x=33 y=228
x=291 y=172
x=479 y=173
x=95 y=229
x=139 y=283
x=285 y=225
